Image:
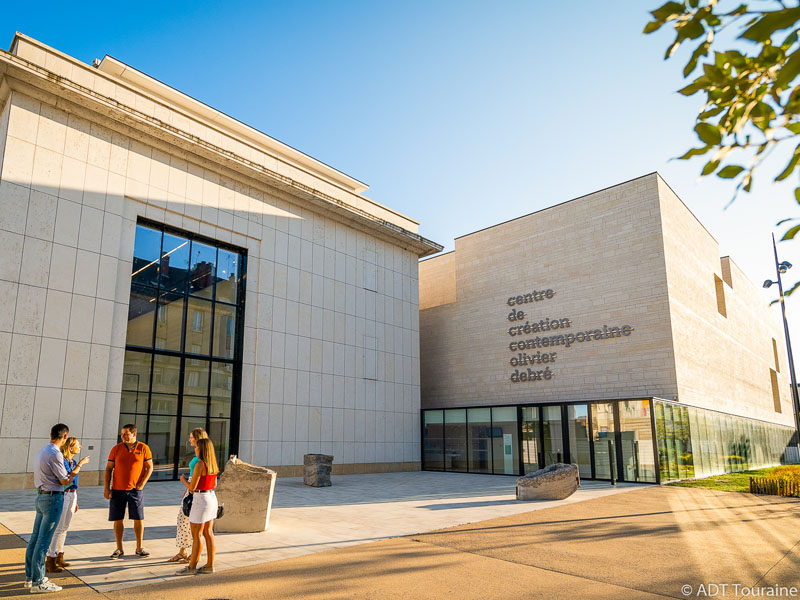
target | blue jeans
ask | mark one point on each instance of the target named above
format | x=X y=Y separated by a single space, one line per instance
x=48 y=513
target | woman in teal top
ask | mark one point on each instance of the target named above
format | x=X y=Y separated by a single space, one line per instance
x=183 y=537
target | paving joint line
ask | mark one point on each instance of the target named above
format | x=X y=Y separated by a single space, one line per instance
x=767 y=572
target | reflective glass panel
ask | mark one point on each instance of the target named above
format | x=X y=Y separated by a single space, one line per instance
x=198 y=327
x=141 y=312
x=186 y=451
x=505 y=451
x=636 y=439
x=603 y=437
x=195 y=387
x=146 y=253
x=578 y=425
x=135 y=382
x=227 y=276
x=169 y=322
x=221 y=389
x=455 y=440
x=219 y=430
x=553 y=440
x=531 y=439
x=166 y=377
x=479 y=440
x=161 y=439
x=202 y=270
x=174 y=263
x=224 y=330
x=433 y=439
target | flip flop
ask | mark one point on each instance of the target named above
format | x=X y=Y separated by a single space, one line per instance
x=179 y=558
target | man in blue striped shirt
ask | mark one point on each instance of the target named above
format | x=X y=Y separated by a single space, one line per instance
x=49 y=476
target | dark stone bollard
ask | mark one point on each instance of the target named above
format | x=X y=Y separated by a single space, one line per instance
x=317 y=470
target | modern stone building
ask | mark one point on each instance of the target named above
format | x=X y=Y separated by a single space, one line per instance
x=605 y=331
x=165 y=264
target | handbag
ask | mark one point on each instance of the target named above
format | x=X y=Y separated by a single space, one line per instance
x=186 y=504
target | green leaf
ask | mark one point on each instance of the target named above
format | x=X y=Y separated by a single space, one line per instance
x=771 y=22
x=653 y=26
x=789 y=235
x=701 y=50
x=708 y=133
x=789 y=70
x=791 y=165
x=710 y=167
x=730 y=171
x=794 y=127
x=668 y=11
x=712 y=112
x=797 y=199
x=695 y=152
x=692 y=88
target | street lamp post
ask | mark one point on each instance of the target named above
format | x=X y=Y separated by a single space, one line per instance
x=782 y=267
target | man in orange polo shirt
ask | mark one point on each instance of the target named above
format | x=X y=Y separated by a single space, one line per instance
x=129 y=466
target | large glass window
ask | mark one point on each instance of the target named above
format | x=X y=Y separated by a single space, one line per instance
x=505 y=452
x=578 y=419
x=693 y=442
x=187 y=302
x=603 y=437
x=433 y=439
x=455 y=439
x=479 y=425
x=636 y=441
x=553 y=436
x=531 y=439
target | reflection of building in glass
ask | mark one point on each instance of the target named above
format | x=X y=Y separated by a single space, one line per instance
x=184 y=270
x=606 y=332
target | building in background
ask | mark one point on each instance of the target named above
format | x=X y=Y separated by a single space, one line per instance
x=605 y=331
x=167 y=265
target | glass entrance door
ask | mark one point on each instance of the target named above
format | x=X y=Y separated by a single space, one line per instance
x=531 y=439
x=603 y=439
x=578 y=427
x=552 y=435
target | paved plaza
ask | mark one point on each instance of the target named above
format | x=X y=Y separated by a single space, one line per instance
x=305 y=520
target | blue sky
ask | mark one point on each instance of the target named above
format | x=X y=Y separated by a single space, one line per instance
x=459 y=114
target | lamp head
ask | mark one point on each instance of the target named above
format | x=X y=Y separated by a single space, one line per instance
x=768 y=283
x=784 y=266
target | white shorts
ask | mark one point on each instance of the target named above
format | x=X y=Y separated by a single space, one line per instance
x=204 y=507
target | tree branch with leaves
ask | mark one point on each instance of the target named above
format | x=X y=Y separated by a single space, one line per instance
x=752 y=96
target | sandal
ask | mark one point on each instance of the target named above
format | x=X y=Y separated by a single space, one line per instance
x=179 y=558
x=142 y=553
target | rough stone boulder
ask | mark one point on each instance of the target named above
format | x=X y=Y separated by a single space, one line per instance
x=317 y=470
x=554 y=482
x=246 y=490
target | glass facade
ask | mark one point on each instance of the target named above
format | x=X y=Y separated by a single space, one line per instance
x=641 y=440
x=693 y=442
x=183 y=347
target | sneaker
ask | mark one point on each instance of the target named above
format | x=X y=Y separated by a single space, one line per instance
x=205 y=570
x=45 y=587
x=28 y=583
x=142 y=553
x=186 y=571
x=116 y=554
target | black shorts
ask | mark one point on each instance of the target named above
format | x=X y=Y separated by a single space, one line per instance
x=120 y=499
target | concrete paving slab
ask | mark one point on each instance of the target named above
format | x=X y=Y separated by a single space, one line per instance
x=357 y=509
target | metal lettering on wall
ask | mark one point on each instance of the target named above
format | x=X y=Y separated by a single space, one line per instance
x=522 y=326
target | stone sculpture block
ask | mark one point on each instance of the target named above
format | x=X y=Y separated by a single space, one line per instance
x=317 y=470
x=246 y=490
x=555 y=482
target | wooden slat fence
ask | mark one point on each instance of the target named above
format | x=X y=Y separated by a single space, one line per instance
x=775 y=486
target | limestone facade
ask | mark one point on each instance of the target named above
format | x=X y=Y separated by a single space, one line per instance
x=331 y=333
x=631 y=256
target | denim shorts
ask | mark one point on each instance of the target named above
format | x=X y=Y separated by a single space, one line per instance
x=120 y=499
